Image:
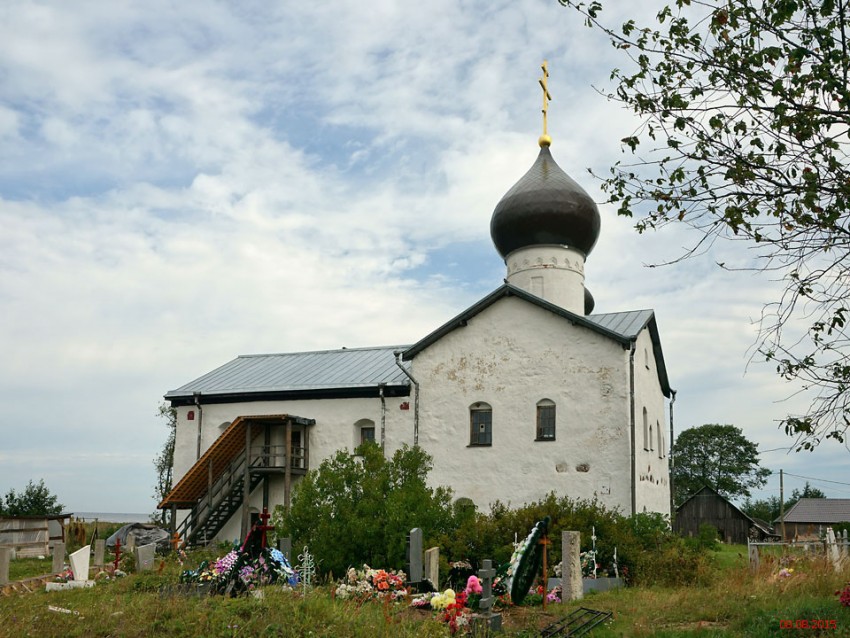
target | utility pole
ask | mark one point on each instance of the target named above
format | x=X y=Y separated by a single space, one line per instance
x=782 y=504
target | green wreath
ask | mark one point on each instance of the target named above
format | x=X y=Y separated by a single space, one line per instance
x=525 y=562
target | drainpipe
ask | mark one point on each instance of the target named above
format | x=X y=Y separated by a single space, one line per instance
x=671 y=460
x=632 y=423
x=397 y=354
x=197 y=397
x=383 y=414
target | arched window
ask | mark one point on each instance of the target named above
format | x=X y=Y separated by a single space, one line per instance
x=545 y=420
x=480 y=424
x=660 y=440
x=364 y=431
x=645 y=430
x=650 y=436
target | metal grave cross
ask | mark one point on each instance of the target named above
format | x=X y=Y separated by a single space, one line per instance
x=306 y=569
x=264 y=527
x=486 y=574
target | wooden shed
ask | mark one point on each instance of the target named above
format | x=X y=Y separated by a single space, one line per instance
x=710 y=507
x=29 y=536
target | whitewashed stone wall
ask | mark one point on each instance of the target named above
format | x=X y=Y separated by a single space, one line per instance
x=652 y=471
x=512 y=355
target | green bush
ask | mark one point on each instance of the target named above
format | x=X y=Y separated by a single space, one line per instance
x=359 y=509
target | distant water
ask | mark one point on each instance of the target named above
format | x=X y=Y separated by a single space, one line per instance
x=113 y=517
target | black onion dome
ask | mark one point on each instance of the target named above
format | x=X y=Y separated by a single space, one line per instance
x=589 y=302
x=546 y=206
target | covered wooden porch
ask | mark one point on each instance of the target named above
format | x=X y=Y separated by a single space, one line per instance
x=249 y=451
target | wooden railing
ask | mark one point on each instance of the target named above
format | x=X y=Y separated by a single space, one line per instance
x=273 y=456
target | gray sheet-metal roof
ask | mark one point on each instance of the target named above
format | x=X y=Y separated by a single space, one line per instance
x=819 y=510
x=294 y=371
x=628 y=324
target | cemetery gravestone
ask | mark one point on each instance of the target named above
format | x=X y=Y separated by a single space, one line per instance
x=5 y=559
x=492 y=621
x=571 y=583
x=285 y=547
x=832 y=548
x=753 y=551
x=414 y=548
x=145 y=555
x=80 y=563
x=99 y=552
x=432 y=566
x=58 y=557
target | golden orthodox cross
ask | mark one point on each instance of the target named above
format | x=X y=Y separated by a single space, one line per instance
x=545 y=140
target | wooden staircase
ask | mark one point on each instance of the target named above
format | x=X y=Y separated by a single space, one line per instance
x=214 y=488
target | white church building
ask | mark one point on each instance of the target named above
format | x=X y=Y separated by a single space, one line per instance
x=526 y=392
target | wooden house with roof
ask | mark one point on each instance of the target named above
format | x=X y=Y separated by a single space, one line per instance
x=808 y=518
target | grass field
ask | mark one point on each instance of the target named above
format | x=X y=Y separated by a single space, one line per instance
x=733 y=602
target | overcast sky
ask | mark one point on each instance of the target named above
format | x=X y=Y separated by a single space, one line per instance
x=184 y=182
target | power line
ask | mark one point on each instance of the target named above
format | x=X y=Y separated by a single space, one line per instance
x=809 y=478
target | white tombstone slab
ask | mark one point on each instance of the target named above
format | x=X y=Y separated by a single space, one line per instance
x=571 y=583
x=79 y=567
x=832 y=548
x=145 y=555
x=432 y=566
x=80 y=563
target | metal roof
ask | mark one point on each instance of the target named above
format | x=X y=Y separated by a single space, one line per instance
x=628 y=324
x=294 y=371
x=819 y=510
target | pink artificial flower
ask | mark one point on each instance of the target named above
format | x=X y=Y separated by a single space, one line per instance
x=473 y=585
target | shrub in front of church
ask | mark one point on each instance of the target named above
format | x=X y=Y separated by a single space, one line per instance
x=648 y=552
x=355 y=510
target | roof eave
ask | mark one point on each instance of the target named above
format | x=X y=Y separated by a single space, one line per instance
x=347 y=392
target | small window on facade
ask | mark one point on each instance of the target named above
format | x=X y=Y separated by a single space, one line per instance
x=545 y=420
x=646 y=434
x=650 y=437
x=660 y=440
x=364 y=431
x=646 y=358
x=481 y=424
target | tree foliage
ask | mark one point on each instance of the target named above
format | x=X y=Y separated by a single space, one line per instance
x=35 y=500
x=164 y=461
x=745 y=111
x=359 y=509
x=717 y=456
